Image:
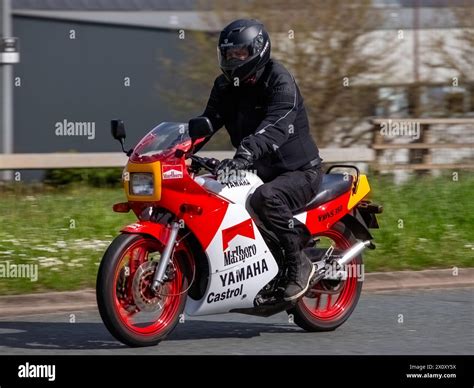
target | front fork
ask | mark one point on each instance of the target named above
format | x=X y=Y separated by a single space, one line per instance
x=159 y=276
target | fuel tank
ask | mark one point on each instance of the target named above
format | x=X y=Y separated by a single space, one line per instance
x=237 y=191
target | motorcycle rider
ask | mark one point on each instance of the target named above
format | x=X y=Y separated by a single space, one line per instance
x=258 y=101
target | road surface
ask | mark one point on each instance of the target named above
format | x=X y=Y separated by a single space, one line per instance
x=403 y=322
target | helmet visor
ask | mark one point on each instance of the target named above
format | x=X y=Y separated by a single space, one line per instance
x=232 y=56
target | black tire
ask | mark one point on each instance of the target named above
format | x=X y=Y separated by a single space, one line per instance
x=105 y=296
x=307 y=321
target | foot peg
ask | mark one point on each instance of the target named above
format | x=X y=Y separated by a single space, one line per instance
x=319 y=271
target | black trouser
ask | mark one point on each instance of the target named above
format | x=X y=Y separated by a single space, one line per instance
x=276 y=201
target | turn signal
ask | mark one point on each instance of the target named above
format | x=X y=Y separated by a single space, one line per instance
x=122 y=207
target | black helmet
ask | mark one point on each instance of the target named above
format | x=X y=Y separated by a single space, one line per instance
x=243 y=49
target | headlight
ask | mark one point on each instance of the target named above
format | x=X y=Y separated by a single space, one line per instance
x=141 y=183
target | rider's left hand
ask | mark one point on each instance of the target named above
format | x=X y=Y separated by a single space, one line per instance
x=235 y=164
x=231 y=167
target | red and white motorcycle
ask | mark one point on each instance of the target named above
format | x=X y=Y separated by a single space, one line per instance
x=197 y=247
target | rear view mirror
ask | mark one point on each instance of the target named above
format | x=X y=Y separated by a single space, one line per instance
x=117 y=127
x=200 y=127
x=118 y=130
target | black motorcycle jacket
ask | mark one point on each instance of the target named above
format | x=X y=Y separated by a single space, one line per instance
x=267 y=119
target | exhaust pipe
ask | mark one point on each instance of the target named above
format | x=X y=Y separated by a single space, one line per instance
x=353 y=252
x=321 y=266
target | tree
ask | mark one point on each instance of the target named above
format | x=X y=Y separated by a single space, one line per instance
x=456 y=54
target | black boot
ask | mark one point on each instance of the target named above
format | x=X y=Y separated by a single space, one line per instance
x=300 y=272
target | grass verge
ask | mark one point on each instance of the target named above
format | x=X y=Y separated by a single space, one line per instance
x=427 y=223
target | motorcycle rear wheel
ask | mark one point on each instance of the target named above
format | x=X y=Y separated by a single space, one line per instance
x=325 y=311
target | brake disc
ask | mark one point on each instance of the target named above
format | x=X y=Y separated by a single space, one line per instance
x=145 y=299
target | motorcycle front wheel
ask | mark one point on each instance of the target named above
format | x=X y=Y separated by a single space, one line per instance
x=131 y=311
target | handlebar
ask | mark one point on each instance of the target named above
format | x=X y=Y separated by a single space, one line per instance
x=209 y=164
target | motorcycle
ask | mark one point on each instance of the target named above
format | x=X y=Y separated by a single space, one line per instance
x=198 y=248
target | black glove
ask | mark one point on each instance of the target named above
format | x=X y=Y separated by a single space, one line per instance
x=233 y=164
x=230 y=170
x=233 y=169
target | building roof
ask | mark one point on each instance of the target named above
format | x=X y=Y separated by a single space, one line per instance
x=169 y=20
x=110 y=5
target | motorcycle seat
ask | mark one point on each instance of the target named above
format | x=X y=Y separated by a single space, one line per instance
x=332 y=186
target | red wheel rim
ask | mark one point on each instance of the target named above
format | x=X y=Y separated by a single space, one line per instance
x=335 y=305
x=135 y=255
